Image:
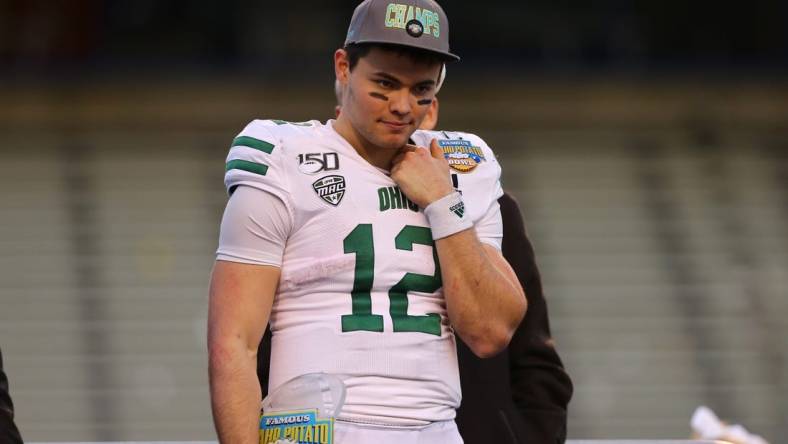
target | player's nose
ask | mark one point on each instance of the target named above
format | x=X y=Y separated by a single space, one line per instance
x=399 y=102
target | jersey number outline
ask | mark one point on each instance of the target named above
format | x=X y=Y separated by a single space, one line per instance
x=361 y=243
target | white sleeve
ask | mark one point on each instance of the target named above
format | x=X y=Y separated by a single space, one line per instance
x=255 y=228
x=490 y=227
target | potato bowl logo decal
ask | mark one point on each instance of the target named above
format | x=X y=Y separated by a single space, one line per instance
x=461 y=155
x=330 y=188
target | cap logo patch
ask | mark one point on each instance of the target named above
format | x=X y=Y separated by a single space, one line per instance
x=415 y=28
x=413 y=19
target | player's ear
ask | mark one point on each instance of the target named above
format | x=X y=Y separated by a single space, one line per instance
x=431 y=117
x=434 y=108
x=341 y=66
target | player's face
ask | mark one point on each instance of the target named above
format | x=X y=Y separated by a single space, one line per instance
x=388 y=95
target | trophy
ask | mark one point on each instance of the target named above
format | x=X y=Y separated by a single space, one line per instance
x=302 y=410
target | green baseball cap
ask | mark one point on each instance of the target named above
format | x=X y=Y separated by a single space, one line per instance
x=418 y=24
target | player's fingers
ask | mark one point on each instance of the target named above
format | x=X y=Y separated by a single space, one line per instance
x=436 y=150
x=402 y=152
x=394 y=173
x=408 y=148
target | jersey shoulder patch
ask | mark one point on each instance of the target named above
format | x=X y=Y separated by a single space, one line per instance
x=475 y=170
x=465 y=152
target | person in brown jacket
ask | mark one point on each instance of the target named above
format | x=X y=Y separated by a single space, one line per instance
x=521 y=395
x=9 y=433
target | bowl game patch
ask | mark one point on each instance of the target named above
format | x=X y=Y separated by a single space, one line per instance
x=461 y=155
x=296 y=427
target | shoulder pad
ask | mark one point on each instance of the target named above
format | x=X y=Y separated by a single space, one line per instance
x=255 y=159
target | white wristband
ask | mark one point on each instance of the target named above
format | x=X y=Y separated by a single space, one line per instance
x=447 y=216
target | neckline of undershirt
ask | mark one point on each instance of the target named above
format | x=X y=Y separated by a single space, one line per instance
x=330 y=125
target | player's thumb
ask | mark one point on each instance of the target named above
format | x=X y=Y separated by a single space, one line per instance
x=436 y=150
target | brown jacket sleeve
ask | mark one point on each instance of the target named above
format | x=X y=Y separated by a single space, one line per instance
x=264 y=361
x=8 y=432
x=541 y=388
x=519 y=396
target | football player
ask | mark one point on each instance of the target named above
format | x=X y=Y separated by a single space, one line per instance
x=519 y=396
x=357 y=248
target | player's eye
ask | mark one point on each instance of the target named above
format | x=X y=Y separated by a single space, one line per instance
x=423 y=90
x=385 y=84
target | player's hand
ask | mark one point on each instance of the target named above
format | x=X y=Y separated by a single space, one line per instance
x=422 y=174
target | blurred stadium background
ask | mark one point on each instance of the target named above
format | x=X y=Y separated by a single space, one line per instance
x=646 y=141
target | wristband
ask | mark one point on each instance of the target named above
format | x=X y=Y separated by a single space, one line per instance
x=446 y=216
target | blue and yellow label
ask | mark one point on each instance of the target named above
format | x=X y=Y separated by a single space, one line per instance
x=461 y=155
x=296 y=427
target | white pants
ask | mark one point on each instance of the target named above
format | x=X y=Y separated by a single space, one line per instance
x=444 y=432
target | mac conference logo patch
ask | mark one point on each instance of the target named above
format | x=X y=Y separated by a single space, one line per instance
x=330 y=188
x=461 y=155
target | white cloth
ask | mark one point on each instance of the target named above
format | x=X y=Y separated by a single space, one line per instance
x=707 y=425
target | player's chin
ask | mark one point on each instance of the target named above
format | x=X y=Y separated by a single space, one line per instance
x=394 y=143
x=394 y=140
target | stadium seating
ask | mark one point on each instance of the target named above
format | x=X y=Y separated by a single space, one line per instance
x=664 y=255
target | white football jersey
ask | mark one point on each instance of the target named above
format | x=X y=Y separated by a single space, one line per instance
x=360 y=288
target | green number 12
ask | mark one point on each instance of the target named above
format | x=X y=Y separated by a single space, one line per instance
x=360 y=242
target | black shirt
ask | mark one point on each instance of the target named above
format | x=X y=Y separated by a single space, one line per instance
x=9 y=434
